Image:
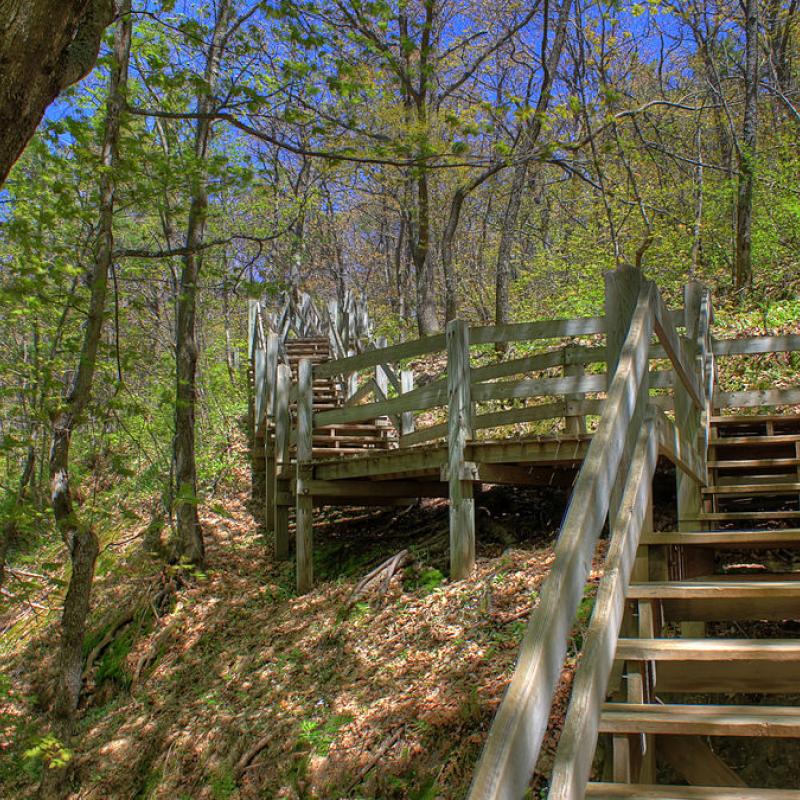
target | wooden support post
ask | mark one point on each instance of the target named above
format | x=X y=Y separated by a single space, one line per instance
x=407 y=417
x=283 y=477
x=695 y=561
x=304 y=519
x=258 y=451
x=621 y=294
x=270 y=381
x=573 y=424
x=459 y=431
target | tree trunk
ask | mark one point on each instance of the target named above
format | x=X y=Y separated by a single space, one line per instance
x=427 y=319
x=747 y=152
x=45 y=46
x=189 y=536
x=79 y=538
x=530 y=137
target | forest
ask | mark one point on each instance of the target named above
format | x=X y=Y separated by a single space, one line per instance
x=166 y=163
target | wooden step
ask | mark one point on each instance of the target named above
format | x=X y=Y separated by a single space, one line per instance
x=744 y=419
x=782 y=438
x=706 y=600
x=719 y=516
x=754 y=488
x=719 y=665
x=634 y=791
x=724 y=540
x=754 y=463
x=688 y=720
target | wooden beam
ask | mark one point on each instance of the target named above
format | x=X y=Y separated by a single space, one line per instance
x=383 y=355
x=304 y=520
x=544 y=329
x=459 y=431
x=749 y=345
x=281 y=445
x=757 y=397
x=671 y=342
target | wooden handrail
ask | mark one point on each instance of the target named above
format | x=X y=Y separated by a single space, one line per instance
x=576 y=745
x=516 y=734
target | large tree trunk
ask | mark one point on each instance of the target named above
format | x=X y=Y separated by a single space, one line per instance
x=189 y=541
x=79 y=538
x=45 y=45
x=747 y=152
x=427 y=319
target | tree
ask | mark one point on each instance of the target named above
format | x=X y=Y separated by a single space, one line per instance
x=79 y=537
x=189 y=538
x=743 y=274
x=46 y=46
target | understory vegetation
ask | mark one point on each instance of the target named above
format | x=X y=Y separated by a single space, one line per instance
x=488 y=161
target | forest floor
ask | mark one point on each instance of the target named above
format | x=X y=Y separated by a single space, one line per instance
x=238 y=688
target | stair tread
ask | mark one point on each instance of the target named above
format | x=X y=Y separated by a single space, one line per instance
x=744 y=463
x=633 y=791
x=703 y=720
x=741 y=419
x=734 y=515
x=709 y=649
x=776 y=538
x=777 y=438
x=754 y=488
x=714 y=589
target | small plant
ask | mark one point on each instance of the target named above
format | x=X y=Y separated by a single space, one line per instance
x=425 y=581
x=50 y=751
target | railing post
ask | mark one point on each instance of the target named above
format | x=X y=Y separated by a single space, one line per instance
x=622 y=292
x=459 y=431
x=304 y=519
x=407 y=417
x=688 y=421
x=573 y=423
x=258 y=444
x=270 y=380
x=283 y=382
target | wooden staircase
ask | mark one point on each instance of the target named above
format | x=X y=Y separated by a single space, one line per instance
x=332 y=441
x=690 y=589
x=754 y=469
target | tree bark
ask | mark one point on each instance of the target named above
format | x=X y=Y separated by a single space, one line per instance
x=189 y=536
x=45 y=46
x=79 y=538
x=747 y=152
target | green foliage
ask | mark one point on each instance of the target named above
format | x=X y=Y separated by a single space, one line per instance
x=423 y=581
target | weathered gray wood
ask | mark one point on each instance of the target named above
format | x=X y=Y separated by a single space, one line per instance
x=577 y=744
x=420 y=398
x=462 y=503
x=622 y=287
x=757 y=397
x=682 y=363
x=679 y=450
x=515 y=737
x=304 y=519
x=748 y=345
x=407 y=417
x=544 y=329
x=387 y=355
x=539 y=387
x=281 y=446
x=259 y=406
x=577 y=423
